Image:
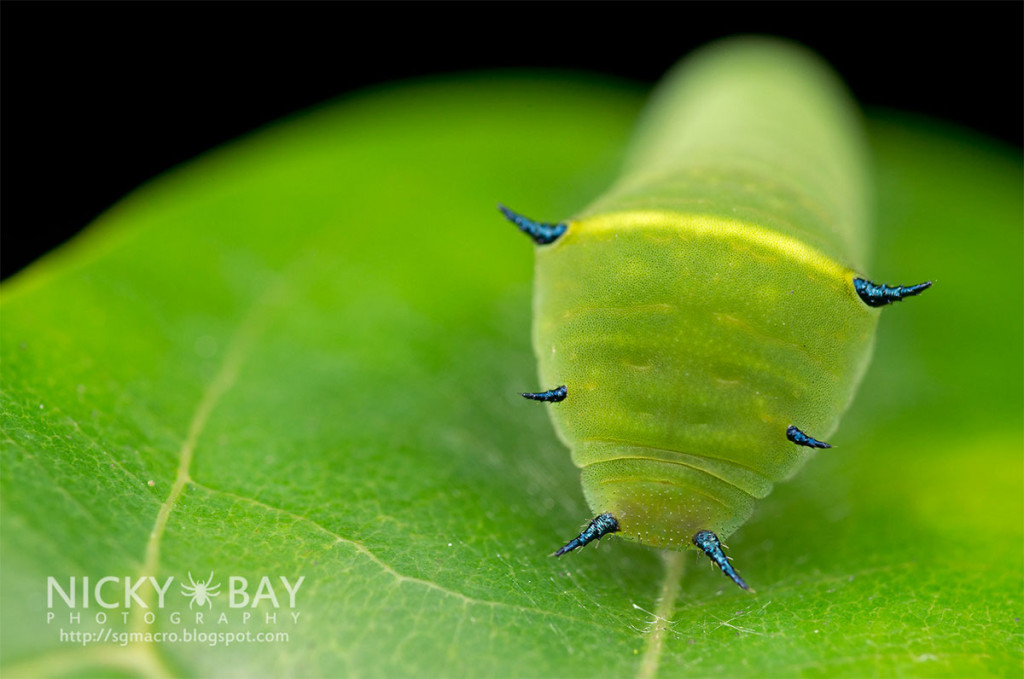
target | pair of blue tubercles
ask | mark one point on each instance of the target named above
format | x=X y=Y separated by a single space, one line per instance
x=802 y=439
x=709 y=543
x=542 y=233
x=876 y=295
x=595 y=530
x=555 y=395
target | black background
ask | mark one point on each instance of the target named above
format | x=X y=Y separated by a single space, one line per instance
x=99 y=97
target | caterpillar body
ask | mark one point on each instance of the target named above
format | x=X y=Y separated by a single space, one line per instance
x=707 y=317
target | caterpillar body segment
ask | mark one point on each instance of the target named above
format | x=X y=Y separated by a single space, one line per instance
x=692 y=347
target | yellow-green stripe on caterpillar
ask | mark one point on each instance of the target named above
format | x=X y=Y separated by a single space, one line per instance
x=706 y=317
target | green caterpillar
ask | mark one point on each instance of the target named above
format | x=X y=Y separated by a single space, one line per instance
x=708 y=310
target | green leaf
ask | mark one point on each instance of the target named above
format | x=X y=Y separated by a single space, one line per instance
x=300 y=355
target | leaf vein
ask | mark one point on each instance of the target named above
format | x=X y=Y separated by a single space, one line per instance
x=674 y=567
x=238 y=348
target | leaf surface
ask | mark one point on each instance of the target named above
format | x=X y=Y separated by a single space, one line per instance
x=300 y=355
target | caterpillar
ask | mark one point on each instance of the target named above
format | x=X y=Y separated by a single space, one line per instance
x=706 y=317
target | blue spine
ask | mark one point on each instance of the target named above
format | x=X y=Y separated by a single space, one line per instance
x=595 y=530
x=876 y=295
x=541 y=232
x=550 y=396
x=709 y=543
x=802 y=439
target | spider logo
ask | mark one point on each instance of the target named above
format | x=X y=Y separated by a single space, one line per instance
x=201 y=592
